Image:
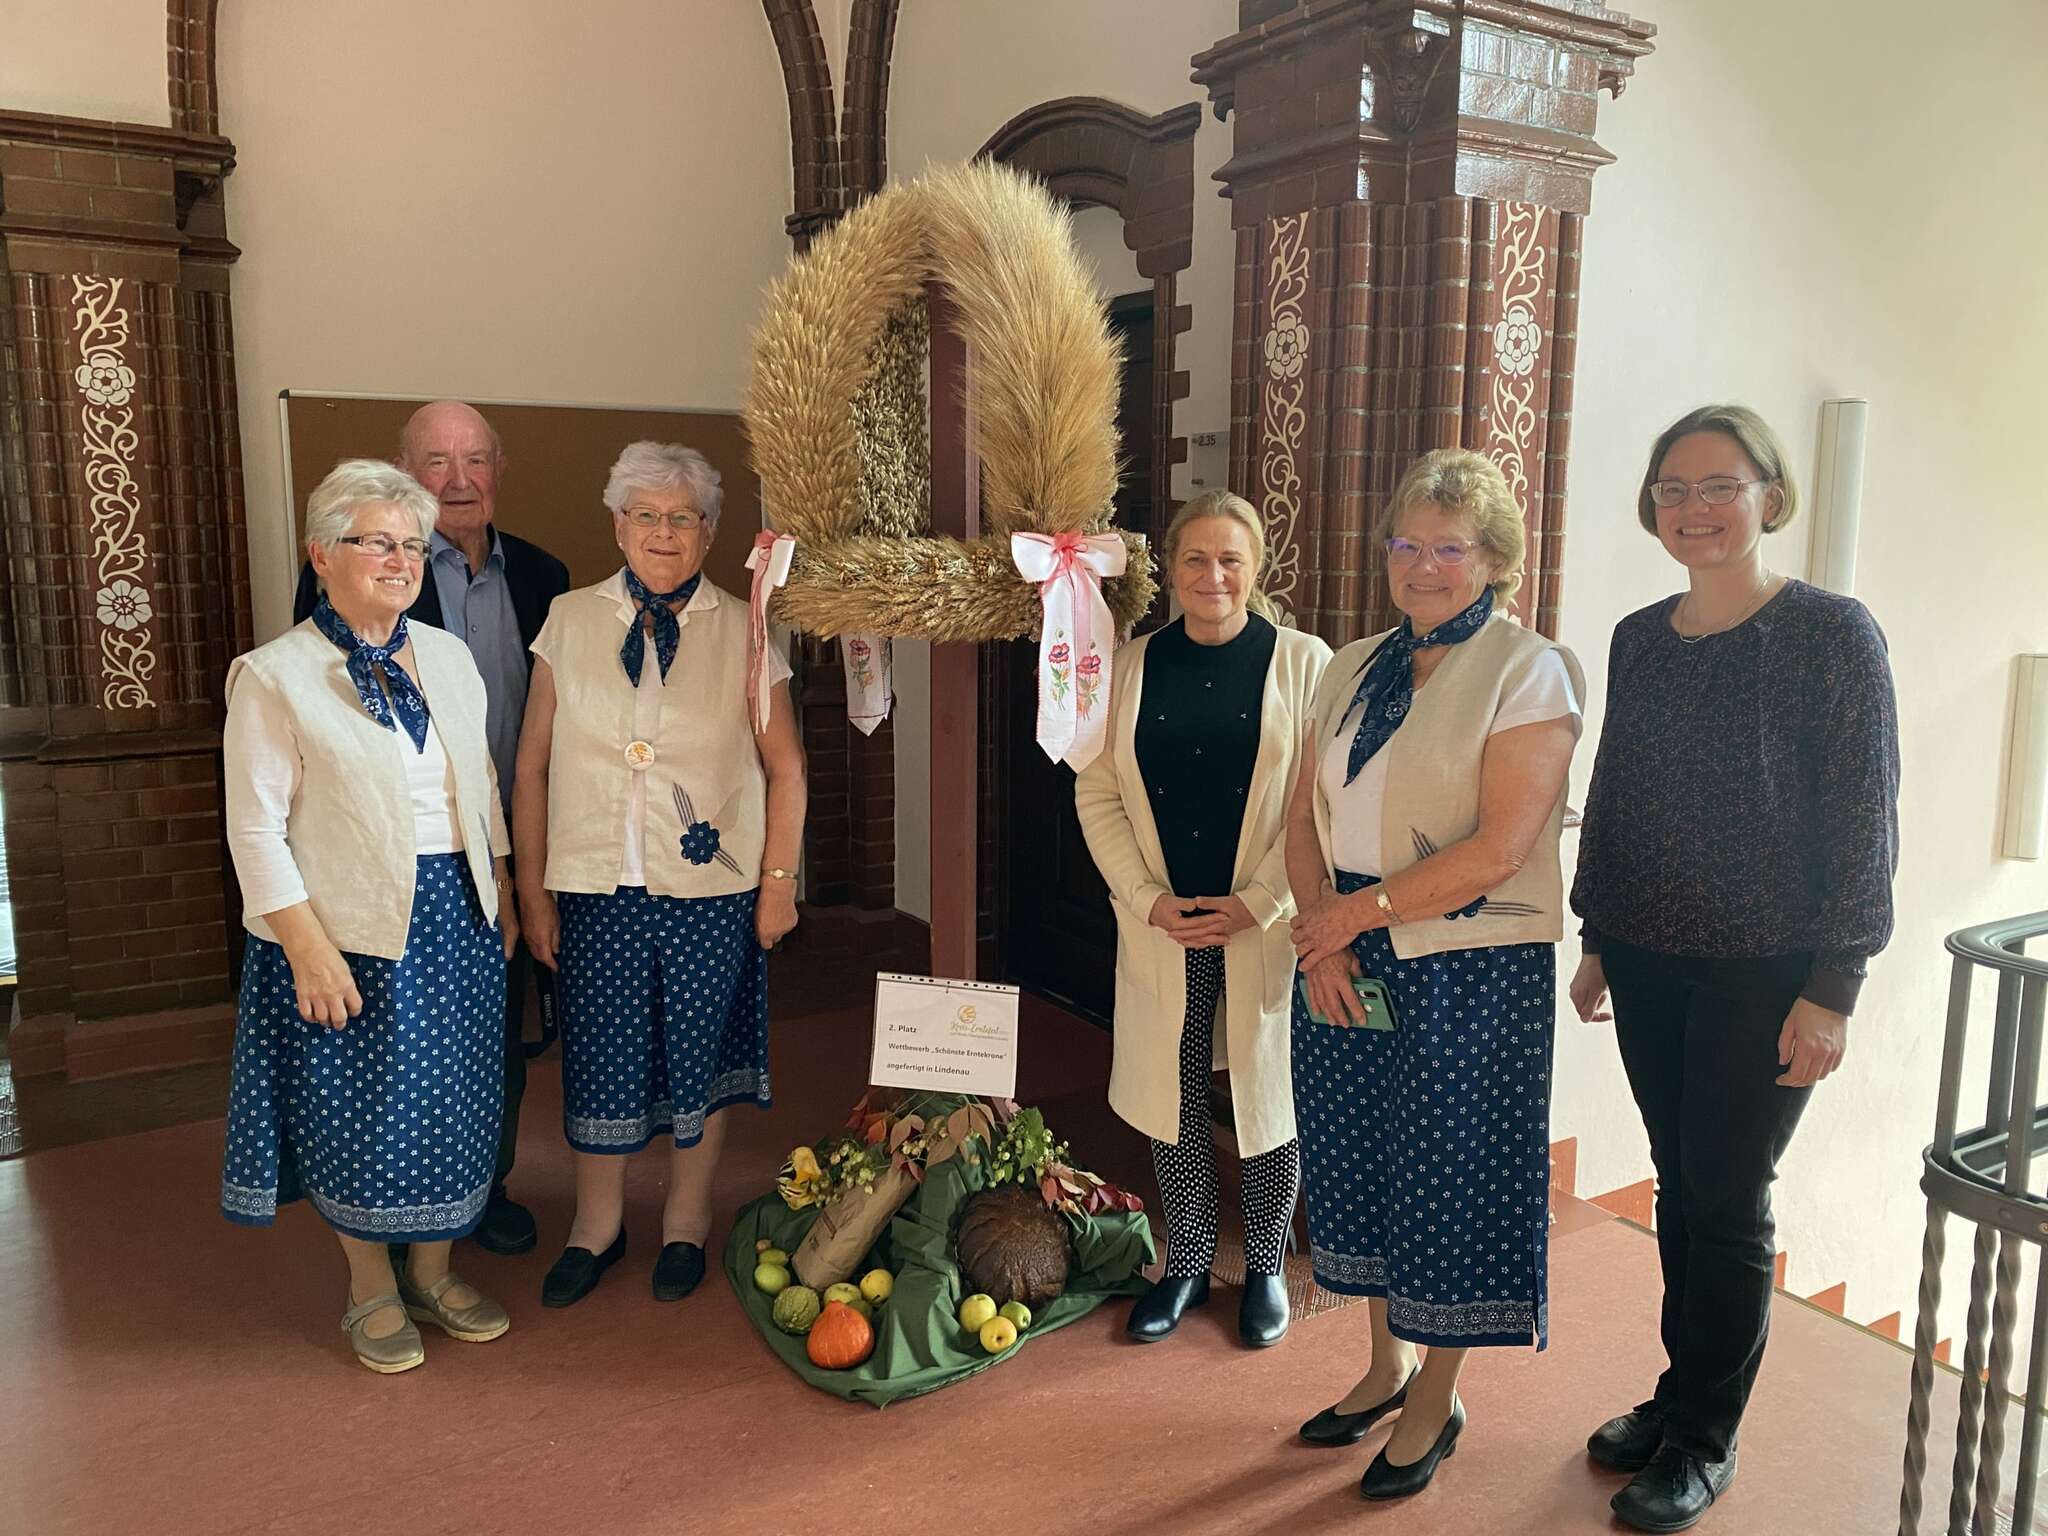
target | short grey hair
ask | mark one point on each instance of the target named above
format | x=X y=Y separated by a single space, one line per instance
x=357 y=483
x=649 y=466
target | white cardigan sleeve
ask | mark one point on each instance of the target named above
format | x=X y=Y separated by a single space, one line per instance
x=260 y=769
x=1105 y=824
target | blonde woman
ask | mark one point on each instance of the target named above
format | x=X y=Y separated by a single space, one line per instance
x=1185 y=816
x=1422 y=843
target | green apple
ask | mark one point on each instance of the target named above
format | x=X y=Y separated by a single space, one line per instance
x=770 y=1279
x=1017 y=1313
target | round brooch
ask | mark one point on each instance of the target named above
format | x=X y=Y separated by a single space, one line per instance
x=639 y=755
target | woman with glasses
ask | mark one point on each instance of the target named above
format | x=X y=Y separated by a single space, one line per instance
x=368 y=839
x=658 y=833
x=1734 y=879
x=1422 y=845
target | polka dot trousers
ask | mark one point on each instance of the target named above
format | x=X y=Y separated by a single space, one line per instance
x=1187 y=1169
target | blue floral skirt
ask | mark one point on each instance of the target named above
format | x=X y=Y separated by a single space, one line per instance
x=389 y=1126
x=1426 y=1149
x=664 y=1005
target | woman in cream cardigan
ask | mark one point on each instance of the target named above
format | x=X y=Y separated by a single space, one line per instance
x=1185 y=815
x=658 y=834
x=1422 y=845
x=364 y=822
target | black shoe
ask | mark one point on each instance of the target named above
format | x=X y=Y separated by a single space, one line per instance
x=1628 y=1443
x=575 y=1273
x=1262 y=1313
x=1384 y=1480
x=679 y=1271
x=1673 y=1491
x=1333 y=1428
x=1157 y=1312
x=507 y=1226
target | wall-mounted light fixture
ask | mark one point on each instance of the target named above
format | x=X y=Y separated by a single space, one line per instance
x=2026 y=788
x=1838 y=495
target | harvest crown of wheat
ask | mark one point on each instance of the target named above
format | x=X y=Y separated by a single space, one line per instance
x=836 y=414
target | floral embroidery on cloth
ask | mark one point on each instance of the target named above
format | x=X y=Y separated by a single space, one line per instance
x=700 y=838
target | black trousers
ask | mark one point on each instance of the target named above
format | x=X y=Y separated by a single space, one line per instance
x=517 y=972
x=1187 y=1169
x=1699 y=1038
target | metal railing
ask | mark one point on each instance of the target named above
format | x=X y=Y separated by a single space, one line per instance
x=1983 y=1176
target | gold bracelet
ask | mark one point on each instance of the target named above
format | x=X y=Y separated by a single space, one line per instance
x=1386 y=906
x=781 y=874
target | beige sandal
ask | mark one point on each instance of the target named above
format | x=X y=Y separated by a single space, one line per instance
x=478 y=1323
x=400 y=1351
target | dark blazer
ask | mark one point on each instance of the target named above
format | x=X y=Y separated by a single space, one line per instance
x=534 y=577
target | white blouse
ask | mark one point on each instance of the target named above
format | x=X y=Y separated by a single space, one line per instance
x=1544 y=692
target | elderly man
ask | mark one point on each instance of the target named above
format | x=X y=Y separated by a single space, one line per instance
x=493 y=590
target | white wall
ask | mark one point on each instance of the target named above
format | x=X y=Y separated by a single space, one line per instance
x=1783 y=226
x=86 y=58
x=959 y=73
x=494 y=198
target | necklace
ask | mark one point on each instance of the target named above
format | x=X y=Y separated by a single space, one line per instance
x=1755 y=602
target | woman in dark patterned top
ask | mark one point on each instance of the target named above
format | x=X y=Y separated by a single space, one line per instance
x=1735 y=878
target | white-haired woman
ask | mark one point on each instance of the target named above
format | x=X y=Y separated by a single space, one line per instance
x=660 y=871
x=364 y=822
x=1185 y=813
x=1423 y=846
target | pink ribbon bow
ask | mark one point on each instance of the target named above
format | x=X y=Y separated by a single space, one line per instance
x=769 y=560
x=1075 y=639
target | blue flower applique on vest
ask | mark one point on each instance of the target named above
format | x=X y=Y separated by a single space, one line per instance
x=700 y=838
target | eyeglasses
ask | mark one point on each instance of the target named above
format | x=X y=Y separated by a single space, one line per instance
x=647 y=517
x=381 y=546
x=1716 y=492
x=1443 y=552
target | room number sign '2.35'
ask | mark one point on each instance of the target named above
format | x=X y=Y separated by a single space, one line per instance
x=948 y=1036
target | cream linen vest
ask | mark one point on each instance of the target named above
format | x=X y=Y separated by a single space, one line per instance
x=1432 y=798
x=351 y=825
x=704 y=748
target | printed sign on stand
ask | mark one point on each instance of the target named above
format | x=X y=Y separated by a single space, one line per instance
x=947 y=1036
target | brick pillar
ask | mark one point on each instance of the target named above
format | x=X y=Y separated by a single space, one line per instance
x=1408 y=189
x=123 y=588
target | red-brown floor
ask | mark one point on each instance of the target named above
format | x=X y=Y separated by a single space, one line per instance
x=163 y=1370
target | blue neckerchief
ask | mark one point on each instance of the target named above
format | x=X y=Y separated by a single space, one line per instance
x=366 y=661
x=668 y=632
x=1388 y=686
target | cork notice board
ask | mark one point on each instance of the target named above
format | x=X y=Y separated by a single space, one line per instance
x=556 y=461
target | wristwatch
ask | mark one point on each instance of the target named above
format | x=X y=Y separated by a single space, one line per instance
x=1386 y=906
x=780 y=874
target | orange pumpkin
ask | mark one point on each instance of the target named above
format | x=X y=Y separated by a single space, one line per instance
x=840 y=1339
